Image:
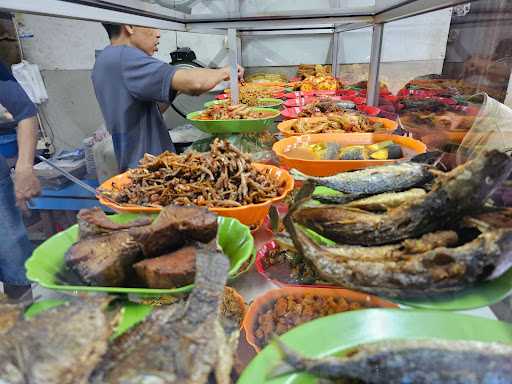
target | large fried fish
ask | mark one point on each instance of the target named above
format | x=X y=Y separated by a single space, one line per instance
x=182 y=343
x=413 y=361
x=454 y=195
x=414 y=267
x=59 y=346
x=369 y=181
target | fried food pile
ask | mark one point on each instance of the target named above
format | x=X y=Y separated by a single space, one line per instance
x=250 y=94
x=320 y=107
x=321 y=80
x=335 y=122
x=306 y=70
x=223 y=177
x=232 y=112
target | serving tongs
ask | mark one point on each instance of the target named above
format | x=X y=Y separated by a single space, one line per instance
x=77 y=181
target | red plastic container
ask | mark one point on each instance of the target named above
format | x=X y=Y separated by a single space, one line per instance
x=300 y=101
x=294 y=95
x=347 y=92
x=368 y=109
x=358 y=100
x=290 y=113
x=324 y=93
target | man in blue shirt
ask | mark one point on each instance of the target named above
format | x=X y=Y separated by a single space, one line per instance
x=15 y=247
x=134 y=89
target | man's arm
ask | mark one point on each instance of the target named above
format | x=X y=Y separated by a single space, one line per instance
x=197 y=81
x=150 y=79
x=26 y=183
x=18 y=104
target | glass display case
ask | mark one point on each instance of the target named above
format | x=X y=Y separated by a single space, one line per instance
x=427 y=80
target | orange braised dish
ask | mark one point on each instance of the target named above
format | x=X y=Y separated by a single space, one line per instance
x=289 y=311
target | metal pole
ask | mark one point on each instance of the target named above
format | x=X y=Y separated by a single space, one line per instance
x=373 y=75
x=233 y=63
x=335 y=53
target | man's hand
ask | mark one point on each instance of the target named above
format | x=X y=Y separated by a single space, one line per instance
x=26 y=185
x=200 y=80
x=227 y=71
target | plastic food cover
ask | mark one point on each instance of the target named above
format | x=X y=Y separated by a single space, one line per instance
x=491 y=129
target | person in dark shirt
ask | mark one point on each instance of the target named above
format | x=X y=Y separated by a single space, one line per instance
x=15 y=247
x=134 y=89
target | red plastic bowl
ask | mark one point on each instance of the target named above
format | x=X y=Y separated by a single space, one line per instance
x=324 y=93
x=290 y=113
x=280 y=95
x=300 y=101
x=390 y=98
x=368 y=109
x=347 y=92
x=358 y=100
x=294 y=95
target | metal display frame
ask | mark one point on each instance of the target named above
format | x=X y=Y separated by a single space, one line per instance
x=233 y=25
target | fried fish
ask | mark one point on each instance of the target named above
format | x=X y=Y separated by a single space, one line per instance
x=182 y=343
x=59 y=346
x=419 y=267
x=455 y=194
x=428 y=361
x=373 y=180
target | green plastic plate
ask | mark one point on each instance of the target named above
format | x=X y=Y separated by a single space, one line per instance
x=334 y=334
x=131 y=313
x=272 y=102
x=234 y=126
x=47 y=261
x=480 y=295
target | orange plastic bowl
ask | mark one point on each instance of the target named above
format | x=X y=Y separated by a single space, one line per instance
x=285 y=126
x=252 y=214
x=332 y=167
x=263 y=302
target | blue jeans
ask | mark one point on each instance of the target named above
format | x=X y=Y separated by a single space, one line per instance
x=15 y=247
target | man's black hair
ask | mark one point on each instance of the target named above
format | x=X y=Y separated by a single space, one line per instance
x=113 y=30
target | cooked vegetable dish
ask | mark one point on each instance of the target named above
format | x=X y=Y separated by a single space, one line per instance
x=385 y=150
x=289 y=311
